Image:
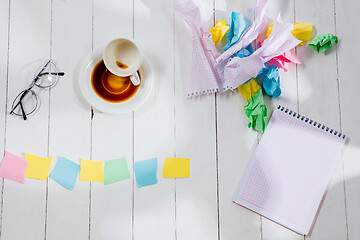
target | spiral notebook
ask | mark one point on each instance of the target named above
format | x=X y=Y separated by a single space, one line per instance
x=290 y=170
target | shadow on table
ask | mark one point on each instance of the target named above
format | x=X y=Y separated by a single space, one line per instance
x=335 y=208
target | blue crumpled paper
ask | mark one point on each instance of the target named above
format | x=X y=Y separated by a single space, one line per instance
x=245 y=52
x=269 y=79
x=237 y=27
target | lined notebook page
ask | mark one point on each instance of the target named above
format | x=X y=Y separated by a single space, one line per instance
x=290 y=170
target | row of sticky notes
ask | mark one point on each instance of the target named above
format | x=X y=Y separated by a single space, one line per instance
x=66 y=171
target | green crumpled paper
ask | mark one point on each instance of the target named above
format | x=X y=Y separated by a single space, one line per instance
x=256 y=112
x=323 y=42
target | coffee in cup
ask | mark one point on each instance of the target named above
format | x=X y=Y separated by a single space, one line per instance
x=112 y=88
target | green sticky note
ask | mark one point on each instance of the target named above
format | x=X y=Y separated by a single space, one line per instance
x=323 y=42
x=256 y=112
x=116 y=170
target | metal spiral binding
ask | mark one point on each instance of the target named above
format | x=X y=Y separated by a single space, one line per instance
x=311 y=122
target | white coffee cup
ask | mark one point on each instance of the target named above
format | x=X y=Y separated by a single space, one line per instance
x=123 y=58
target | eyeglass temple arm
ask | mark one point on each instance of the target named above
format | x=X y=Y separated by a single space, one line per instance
x=21 y=106
x=19 y=102
x=22 y=110
x=51 y=73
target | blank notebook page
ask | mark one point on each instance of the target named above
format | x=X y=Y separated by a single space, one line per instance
x=290 y=170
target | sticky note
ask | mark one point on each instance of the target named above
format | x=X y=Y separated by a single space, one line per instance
x=13 y=167
x=38 y=167
x=91 y=171
x=65 y=173
x=176 y=168
x=145 y=172
x=115 y=170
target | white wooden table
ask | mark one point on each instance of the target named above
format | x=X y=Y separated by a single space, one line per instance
x=211 y=130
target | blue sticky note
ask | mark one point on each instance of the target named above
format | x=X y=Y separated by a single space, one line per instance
x=65 y=173
x=145 y=172
x=237 y=28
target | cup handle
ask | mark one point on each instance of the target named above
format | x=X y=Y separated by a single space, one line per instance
x=135 y=79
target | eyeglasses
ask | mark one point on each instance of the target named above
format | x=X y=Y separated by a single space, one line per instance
x=27 y=102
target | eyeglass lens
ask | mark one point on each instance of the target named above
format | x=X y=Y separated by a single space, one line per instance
x=25 y=103
x=47 y=75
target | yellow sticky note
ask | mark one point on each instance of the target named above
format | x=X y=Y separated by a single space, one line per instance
x=219 y=31
x=91 y=171
x=301 y=31
x=38 y=167
x=248 y=89
x=176 y=168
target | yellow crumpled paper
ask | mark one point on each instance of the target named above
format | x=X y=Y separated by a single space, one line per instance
x=219 y=31
x=301 y=31
x=255 y=108
x=249 y=89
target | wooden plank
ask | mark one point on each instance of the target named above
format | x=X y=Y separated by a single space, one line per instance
x=70 y=123
x=235 y=142
x=4 y=28
x=346 y=28
x=318 y=99
x=111 y=205
x=195 y=133
x=289 y=99
x=154 y=206
x=247 y=140
x=24 y=205
x=288 y=80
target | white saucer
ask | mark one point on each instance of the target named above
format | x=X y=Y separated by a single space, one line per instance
x=115 y=108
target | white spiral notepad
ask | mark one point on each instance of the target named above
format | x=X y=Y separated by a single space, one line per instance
x=290 y=170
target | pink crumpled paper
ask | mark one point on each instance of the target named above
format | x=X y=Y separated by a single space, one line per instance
x=283 y=60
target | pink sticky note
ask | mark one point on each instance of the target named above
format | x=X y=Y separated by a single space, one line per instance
x=13 y=167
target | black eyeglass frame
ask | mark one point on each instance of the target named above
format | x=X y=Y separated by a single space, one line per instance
x=25 y=92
